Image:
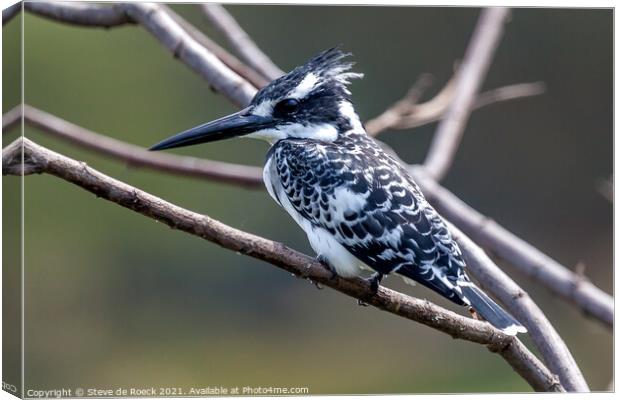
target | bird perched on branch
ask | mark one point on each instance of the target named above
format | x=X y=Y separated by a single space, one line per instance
x=359 y=206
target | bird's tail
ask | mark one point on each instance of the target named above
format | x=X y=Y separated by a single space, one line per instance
x=489 y=310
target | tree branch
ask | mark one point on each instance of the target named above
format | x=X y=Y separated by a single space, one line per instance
x=419 y=115
x=555 y=352
x=38 y=159
x=241 y=175
x=84 y=14
x=528 y=259
x=553 y=349
x=155 y=19
x=11 y=11
x=163 y=27
x=231 y=61
x=404 y=107
x=469 y=78
x=241 y=41
x=509 y=92
x=11 y=118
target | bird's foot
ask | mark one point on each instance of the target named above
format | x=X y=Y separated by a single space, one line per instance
x=374 y=282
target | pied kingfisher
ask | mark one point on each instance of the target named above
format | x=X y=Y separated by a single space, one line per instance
x=359 y=206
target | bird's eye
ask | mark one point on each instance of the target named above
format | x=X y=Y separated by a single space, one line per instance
x=286 y=107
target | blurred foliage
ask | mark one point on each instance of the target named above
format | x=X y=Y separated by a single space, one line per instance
x=115 y=299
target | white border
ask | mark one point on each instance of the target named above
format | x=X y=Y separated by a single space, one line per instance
x=509 y=3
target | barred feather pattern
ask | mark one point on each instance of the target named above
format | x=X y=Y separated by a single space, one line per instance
x=371 y=206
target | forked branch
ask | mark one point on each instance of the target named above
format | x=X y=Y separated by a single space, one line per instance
x=553 y=349
x=37 y=159
x=231 y=61
x=407 y=113
x=468 y=80
x=241 y=41
x=161 y=24
x=560 y=280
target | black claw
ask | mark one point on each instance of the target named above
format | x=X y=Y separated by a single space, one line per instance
x=374 y=281
x=333 y=276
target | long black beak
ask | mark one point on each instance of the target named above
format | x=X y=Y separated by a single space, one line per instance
x=237 y=124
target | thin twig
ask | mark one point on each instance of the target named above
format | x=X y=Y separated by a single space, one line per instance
x=487 y=233
x=240 y=175
x=11 y=118
x=510 y=92
x=469 y=78
x=407 y=114
x=241 y=41
x=38 y=159
x=11 y=11
x=404 y=107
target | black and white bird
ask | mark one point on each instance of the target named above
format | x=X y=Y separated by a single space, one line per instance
x=359 y=207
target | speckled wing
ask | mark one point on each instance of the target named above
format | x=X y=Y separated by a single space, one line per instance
x=370 y=204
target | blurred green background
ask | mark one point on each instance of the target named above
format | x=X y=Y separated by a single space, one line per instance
x=115 y=299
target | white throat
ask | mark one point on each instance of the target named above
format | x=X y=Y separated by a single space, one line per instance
x=322 y=132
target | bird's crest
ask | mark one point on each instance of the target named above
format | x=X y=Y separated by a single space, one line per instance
x=325 y=68
x=329 y=65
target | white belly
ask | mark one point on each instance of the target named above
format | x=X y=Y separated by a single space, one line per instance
x=344 y=263
x=323 y=243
